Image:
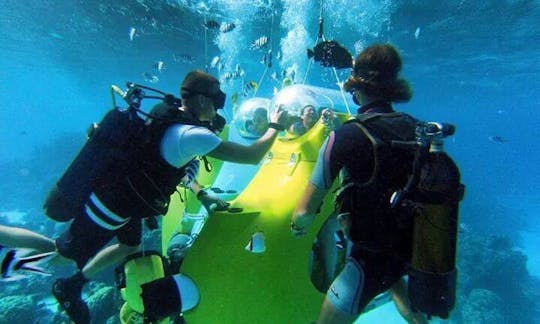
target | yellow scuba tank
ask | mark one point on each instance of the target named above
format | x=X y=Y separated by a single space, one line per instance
x=150 y=292
x=137 y=270
x=433 y=192
x=433 y=274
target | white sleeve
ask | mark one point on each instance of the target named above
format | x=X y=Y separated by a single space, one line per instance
x=181 y=143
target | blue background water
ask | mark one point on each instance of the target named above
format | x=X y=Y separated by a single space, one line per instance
x=472 y=63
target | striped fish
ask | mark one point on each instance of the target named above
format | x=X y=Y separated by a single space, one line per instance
x=227 y=27
x=259 y=43
x=17 y=264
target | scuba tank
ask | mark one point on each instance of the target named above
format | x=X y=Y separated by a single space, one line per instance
x=116 y=139
x=151 y=292
x=118 y=128
x=433 y=193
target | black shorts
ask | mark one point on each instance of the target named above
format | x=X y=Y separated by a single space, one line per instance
x=84 y=238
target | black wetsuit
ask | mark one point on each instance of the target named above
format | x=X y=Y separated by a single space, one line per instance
x=380 y=235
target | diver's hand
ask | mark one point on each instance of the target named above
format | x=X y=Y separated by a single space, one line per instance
x=279 y=116
x=211 y=203
x=328 y=118
x=300 y=223
x=327 y=115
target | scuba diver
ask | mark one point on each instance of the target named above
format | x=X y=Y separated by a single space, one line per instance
x=384 y=199
x=126 y=172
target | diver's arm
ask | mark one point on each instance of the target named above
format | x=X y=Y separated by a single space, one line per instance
x=307 y=208
x=317 y=187
x=238 y=153
x=249 y=154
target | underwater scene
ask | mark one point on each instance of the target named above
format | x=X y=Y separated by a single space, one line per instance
x=64 y=65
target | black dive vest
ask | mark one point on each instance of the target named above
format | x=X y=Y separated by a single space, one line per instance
x=375 y=226
x=139 y=182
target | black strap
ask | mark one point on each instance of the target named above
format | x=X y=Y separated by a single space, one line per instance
x=276 y=126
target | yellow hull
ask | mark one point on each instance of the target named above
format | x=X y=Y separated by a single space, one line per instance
x=239 y=286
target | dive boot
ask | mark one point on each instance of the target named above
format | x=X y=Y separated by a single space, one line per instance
x=68 y=295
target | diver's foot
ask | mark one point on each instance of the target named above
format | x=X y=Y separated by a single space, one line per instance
x=69 y=298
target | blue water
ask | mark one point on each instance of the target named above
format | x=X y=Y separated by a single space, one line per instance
x=472 y=63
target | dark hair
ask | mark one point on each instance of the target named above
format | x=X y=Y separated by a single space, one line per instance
x=307 y=106
x=260 y=111
x=197 y=80
x=376 y=73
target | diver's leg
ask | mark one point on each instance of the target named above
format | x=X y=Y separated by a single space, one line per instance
x=342 y=302
x=403 y=304
x=107 y=257
x=332 y=315
x=129 y=241
x=17 y=237
x=82 y=243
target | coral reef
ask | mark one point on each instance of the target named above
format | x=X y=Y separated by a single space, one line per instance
x=103 y=302
x=41 y=307
x=483 y=306
x=494 y=284
x=22 y=309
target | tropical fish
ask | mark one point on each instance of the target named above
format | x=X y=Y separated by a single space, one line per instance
x=132 y=33
x=331 y=54
x=214 y=62
x=17 y=264
x=264 y=60
x=211 y=24
x=184 y=58
x=250 y=86
x=497 y=139
x=279 y=55
x=229 y=75
x=417 y=33
x=289 y=73
x=256 y=243
x=237 y=73
x=227 y=27
x=269 y=56
x=273 y=76
x=259 y=43
x=56 y=35
x=159 y=65
x=234 y=99
x=149 y=77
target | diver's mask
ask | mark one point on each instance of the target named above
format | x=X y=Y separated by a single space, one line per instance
x=218 y=99
x=352 y=86
x=354 y=97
